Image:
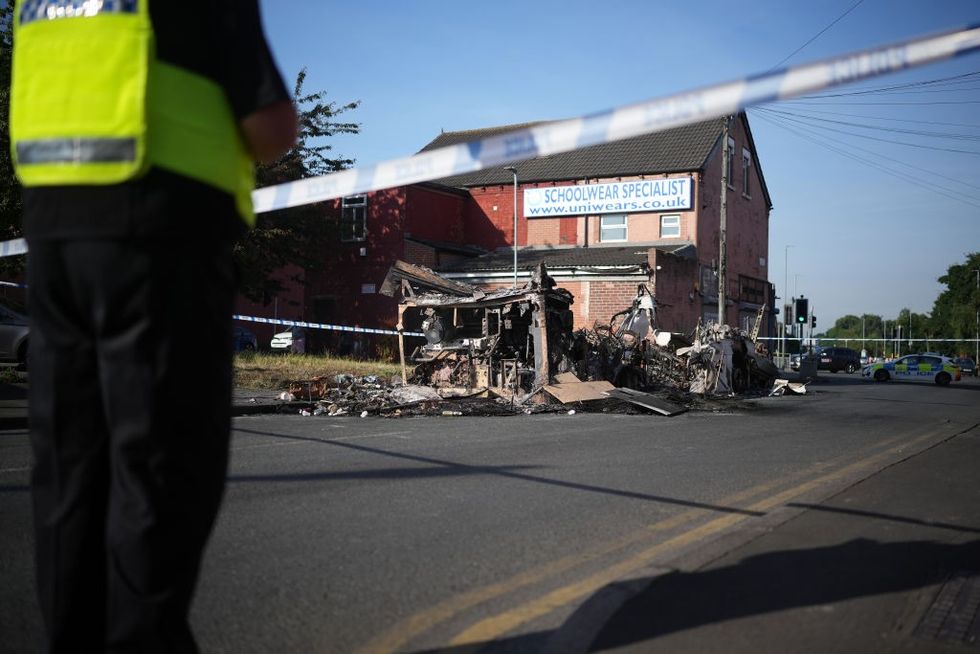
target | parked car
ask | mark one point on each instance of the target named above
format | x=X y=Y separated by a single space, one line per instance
x=796 y=359
x=836 y=359
x=282 y=341
x=291 y=340
x=966 y=365
x=914 y=367
x=13 y=336
x=244 y=340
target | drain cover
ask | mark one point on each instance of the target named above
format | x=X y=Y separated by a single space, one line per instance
x=953 y=616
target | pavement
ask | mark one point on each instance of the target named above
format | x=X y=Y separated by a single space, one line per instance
x=890 y=564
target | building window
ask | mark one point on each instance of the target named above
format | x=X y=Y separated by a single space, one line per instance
x=612 y=229
x=670 y=226
x=353 y=219
x=728 y=164
x=751 y=289
x=746 y=168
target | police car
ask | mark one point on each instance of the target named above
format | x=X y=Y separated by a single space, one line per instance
x=914 y=367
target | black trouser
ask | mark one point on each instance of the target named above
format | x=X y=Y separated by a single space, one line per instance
x=130 y=388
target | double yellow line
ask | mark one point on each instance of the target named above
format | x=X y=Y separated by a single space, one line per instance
x=500 y=624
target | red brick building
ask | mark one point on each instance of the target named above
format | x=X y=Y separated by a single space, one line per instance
x=604 y=219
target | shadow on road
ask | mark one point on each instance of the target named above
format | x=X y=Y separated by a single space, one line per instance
x=782 y=580
x=885 y=516
x=455 y=468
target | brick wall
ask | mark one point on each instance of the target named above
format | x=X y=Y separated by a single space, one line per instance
x=747 y=219
x=419 y=254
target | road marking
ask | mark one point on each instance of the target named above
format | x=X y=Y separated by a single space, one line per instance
x=15 y=469
x=408 y=628
x=490 y=628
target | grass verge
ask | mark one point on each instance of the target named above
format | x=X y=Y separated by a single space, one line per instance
x=275 y=371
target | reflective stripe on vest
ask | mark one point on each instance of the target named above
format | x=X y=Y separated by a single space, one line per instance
x=32 y=10
x=46 y=151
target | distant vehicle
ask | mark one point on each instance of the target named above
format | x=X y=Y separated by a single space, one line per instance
x=13 y=336
x=243 y=340
x=914 y=367
x=796 y=359
x=966 y=365
x=291 y=340
x=282 y=341
x=836 y=359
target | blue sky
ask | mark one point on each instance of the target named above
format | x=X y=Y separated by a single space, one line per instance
x=863 y=240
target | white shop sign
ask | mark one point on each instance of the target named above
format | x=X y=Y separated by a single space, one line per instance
x=639 y=196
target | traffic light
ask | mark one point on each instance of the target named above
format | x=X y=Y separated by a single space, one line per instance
x=813 y=321
x=802 y=309
x=788 y=314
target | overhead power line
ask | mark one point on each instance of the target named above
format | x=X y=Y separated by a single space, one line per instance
x=801 y=132
x=816 y=36
x=890 y=118
x=890 y=141
x=952 y=81
x=892 y=130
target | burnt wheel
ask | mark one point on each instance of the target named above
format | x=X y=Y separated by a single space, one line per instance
x=881 y=375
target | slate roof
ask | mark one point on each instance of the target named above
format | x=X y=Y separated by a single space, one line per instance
x=676 y=150
x=624 y=258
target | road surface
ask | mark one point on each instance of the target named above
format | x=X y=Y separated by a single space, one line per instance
x=534 y=533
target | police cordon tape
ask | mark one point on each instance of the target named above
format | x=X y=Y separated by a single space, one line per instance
x=317 y=325
x=623 y=122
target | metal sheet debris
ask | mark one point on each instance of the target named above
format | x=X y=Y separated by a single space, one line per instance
x=647 y=400
x=786 y=387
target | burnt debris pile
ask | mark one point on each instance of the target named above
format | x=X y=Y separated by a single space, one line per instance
x=513 y=350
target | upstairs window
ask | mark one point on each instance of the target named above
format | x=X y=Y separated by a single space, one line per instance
x=670 y=226
x=612 y=229
x=746 y=170
x=353 y=219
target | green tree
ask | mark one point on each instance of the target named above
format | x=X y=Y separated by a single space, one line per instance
x=300 y=235
x=10 y=200
x=955 y=310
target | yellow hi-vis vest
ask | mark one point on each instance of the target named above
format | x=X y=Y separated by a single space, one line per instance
x=91 y=105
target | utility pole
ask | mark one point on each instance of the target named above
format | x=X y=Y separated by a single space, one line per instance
x=976 y=361
x=722 y=232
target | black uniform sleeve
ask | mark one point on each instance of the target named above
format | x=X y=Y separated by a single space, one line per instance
x=222 y=40
x=245 y=64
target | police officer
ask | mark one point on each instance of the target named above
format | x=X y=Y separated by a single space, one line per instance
x=134 y=124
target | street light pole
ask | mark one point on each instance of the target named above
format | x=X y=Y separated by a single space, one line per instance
x=513 y=170
x=782 y=345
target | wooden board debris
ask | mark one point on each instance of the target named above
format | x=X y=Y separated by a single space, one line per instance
x=578 y=391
